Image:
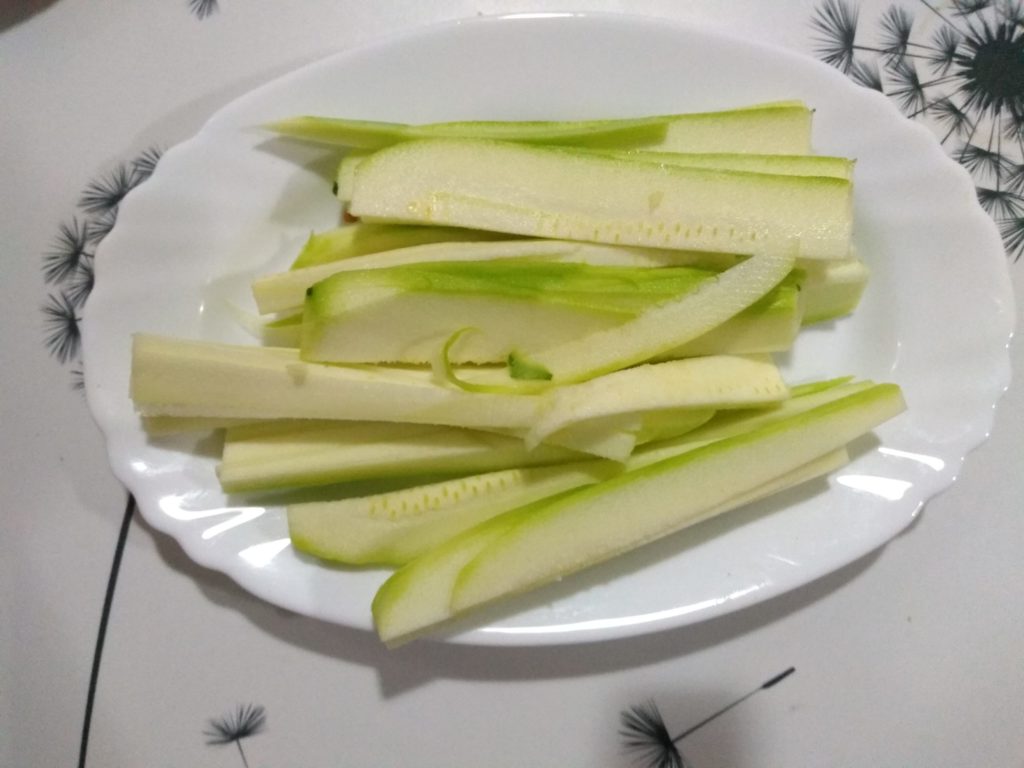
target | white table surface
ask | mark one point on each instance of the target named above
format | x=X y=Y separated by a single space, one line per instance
x=909 y=657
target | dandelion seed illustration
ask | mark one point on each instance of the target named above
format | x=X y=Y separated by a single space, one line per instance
x=1000 y=203
x=867 y=74
x=947 y=113
x=836 y=23
x=966 y=77
x=645 y=734
x=942 y=54
x=981 y=160
x=247 y=720
x=1012 y=231
x=908 y=90
x=967 y=7
x=1014 y=178
x=103 y=195
x=69 y=249
x=991 y=68
x=203 y=8
x=70 y=262
x=60 y=319
x=896 y=28
x=144 y=164
x=1013 y=11
x=100 y=226
x=80 y=285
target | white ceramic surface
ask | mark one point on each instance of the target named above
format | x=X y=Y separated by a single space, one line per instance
x=232 y=203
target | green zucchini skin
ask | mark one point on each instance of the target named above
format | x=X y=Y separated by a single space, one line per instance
x=778 y=127
x=515 y=306
x=528 y=547
x=359 y=239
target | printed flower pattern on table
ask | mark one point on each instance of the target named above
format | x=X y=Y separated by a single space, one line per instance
x=203 y=8
x=960 y=68
x=245 y=721
x=646 y=736
x=68 y=266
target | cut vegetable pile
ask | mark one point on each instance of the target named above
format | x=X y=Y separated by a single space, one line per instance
x=542 y=345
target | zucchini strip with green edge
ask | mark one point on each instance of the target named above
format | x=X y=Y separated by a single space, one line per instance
x=665 y=326
x=532 y=546
x=558 y=193
x=393 y=527
x=782 y=127
x=789 y=165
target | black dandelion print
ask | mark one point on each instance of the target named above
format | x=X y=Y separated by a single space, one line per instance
x=645 y=735
x=950 y=116
x=945 y=43
x=967 y=7
x=79 y=286
x=982 y=160
x=836 y=24
x=965 y=77
x=60 y=319
x=896 y=28
x=103 y=195
x=100 y=226
x=1015 y=178
x=203 y=8
x=68 y=252
x=247 y=720
x=69 y=264
x=144 y=165
x=867 y=74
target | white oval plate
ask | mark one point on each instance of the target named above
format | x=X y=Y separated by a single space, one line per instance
x=232 y=203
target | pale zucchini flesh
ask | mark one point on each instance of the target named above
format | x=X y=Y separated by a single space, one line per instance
x=162 y=426
x=405 y=314
x=391 y=527
x=786 y=165
x=286 y=291
x=523 y=190
x=380 y=331
x=278 y=455
x=612 y=437
x=394 y=527
x=832 y=289
x=666 y=326
x=587 y=418
x=174 y=377
x=829 y=289
x=417 y=598
x=790 y=165
x=777 y=128
x=731 y=423
x=671 y=422
x=359 y=239
x=720 y=381
x=663 y=498
x=528 y=547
